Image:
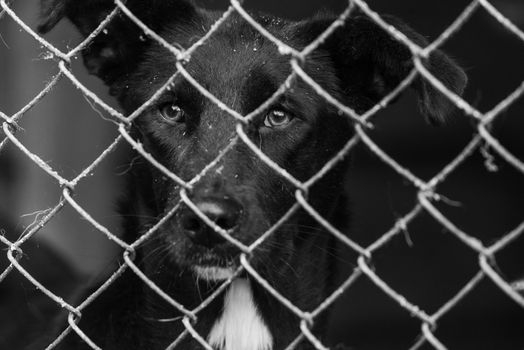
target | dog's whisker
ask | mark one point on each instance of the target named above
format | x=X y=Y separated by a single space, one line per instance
x=163 y=320
x=155 y=253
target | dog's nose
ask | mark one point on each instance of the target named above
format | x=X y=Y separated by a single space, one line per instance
x=223 y=212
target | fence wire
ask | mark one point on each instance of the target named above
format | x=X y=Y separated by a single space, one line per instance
x=427 y=194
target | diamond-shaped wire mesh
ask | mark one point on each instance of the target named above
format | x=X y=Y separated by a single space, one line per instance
x=426 y=198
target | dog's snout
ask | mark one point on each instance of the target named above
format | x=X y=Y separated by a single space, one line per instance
x=223 y=212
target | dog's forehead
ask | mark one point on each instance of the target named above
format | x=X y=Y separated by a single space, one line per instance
x=236 y=63
x=231 y=57
x=233 y=67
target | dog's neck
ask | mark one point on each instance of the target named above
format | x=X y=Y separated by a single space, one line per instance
x=240 y=327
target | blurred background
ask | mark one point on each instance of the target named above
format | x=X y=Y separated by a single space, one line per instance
x=426 y=264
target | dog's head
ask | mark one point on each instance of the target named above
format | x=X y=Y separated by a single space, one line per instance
x=358 y=64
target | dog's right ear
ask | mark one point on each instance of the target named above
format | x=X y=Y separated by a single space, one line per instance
x=117 y=49
x=371 y=63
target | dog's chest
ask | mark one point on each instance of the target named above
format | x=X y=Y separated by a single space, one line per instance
x=240 y=327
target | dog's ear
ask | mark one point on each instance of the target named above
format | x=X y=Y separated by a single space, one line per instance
x=370 y=63
x=117 y=49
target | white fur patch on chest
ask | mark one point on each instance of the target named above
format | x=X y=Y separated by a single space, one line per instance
x=240 y=327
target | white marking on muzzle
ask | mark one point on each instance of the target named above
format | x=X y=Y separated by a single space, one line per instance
x=213 y=273
x=240 y=327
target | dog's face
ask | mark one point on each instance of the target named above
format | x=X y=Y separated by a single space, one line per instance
x=185 y=131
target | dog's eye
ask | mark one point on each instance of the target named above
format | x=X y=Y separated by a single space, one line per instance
x=172 y=113
x=276 y=118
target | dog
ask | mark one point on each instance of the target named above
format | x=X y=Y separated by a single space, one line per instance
x=359 y=64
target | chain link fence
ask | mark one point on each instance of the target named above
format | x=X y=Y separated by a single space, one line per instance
x=427 y=190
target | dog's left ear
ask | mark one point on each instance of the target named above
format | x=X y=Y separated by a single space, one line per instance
x=370 y=63
x=116 y=50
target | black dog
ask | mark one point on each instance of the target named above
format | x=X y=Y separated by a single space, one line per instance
x=358 y=64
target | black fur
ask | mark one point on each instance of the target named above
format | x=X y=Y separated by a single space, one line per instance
x=359 y=64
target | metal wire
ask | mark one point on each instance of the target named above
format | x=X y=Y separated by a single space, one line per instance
x=426 y=197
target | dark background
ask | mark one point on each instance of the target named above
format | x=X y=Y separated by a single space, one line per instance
x=426 y=264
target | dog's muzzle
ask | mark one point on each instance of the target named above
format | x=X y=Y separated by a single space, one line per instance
x=225 y=212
